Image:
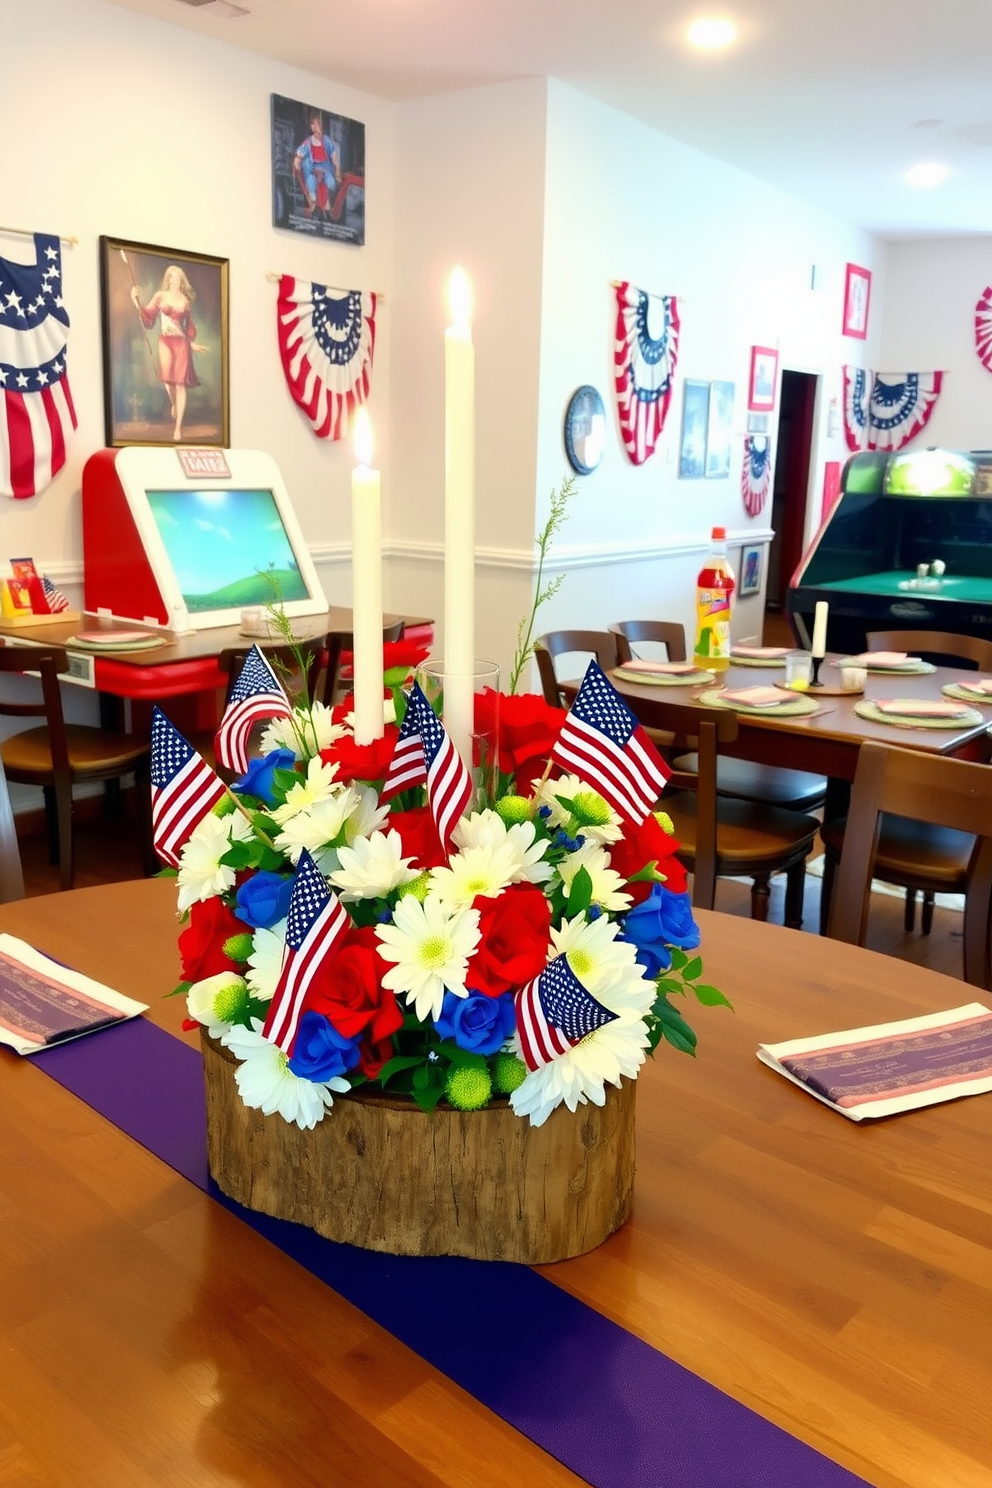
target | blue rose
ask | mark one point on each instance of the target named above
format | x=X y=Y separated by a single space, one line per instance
x=663 y=919
x=320 y=1052
x=477 y=1023
x=257 y=779
x=263 y=899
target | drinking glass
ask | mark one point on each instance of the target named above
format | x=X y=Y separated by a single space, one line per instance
x=485 y=723
x=798 y=670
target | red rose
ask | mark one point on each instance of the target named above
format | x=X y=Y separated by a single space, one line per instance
x=642 y=845
x=361 y=761
x=514 y=937
x=372 y=1055
x=526 y=728
x=349 y=990
x=418 y=835
x=406 y=654
x=211 y=922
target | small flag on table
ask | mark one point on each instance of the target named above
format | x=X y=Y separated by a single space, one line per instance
x=316 y=923
x=603 y=743
x=554 y=1013
x=257 y=695
x=424 y=752
x=184 y=789
x=56 y=600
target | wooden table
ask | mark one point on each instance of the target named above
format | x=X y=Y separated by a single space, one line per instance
x=835 y=1278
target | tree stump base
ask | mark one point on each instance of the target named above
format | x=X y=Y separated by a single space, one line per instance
x=380 y=1173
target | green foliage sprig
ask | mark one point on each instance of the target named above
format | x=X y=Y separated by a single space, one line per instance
x=525 y=630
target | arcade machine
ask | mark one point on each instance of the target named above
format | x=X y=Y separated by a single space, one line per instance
x=908 y=546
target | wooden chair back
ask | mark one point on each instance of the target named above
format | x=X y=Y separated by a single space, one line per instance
x=11 y=875
x=554 y=643
x=281 y=659
x=668 y=632
x=48 y=662
x=338 y=641
x=930 y=644
x=946 y=792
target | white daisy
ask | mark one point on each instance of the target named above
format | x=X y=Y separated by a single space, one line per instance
x=600 y=822
x=319 y=829
x=373 y=867
x=607 y=885
x=266 y=1083
x=265 y=960
x=430 y=945
x=477 y=870
x=318 y=735
x=317 y=785
x=603 y=1057
x=217 y=1001
x=606 y=966
x=487 y=829
x=368 y=816
x=201 y=873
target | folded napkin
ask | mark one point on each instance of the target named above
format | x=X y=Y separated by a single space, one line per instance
x=764 y=653
x=883 y=658
x=920 y=708
x=981 y=685
x=756 y=697
x=664 y=668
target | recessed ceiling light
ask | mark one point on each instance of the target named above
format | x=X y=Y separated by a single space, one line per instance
x=710 y=33
x=927 y=174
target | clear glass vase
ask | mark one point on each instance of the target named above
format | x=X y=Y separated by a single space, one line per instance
x=468 y=704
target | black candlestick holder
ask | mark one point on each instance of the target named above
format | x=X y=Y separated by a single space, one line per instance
x=817 y=663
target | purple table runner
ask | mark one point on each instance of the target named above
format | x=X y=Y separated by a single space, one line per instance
x=611 y=1408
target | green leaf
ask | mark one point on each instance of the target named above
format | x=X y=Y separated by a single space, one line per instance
x=580 y=892
x=693 y=969
x=460 y=1058
x=398 y=1063
x=679 y=958
x=711 y=996
x=679 y=1040
x=180 y=991
x=670 y=987
x=427 y=1099
x=238 y=855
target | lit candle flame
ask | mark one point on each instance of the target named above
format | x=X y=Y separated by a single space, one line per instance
x=363 y=437
x=460 y=299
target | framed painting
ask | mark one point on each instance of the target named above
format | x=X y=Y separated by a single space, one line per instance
x=165 y=345
x=857 y=293
x=719 y=428
x=318 y=172
x=695 y=422
x=751 y=570
x=763 y=379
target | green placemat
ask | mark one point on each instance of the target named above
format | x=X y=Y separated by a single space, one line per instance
x=870 y=710
x=913 y=668
x=789 y=707
x=659 y=679
x=962 y=695
x=757 y=661
x=105 y=648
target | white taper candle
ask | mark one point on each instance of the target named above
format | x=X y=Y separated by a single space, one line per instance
x=366 y=585
x=819 y=646
x=459 y=517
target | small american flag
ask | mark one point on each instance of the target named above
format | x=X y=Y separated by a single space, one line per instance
x=424 y=752
x=57 y=601
x=256 y=695
x=554 y=1013
x=315 y=925
x=603 y=743
x=184 y=789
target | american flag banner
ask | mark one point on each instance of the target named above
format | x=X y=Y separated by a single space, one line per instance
x=602 y=742
x=256 y=696
x=184 y=789
x=57 y=601
x=315 y=925
x=326 y=343
x=643 y=368
x=37 y=416
x=554 y=1013
x=983 y=328
x=756 y=477
x=901 y=405
x=424 y=752
x=857 y=389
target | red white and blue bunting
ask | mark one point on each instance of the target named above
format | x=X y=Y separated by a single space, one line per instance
x=983 y=328
x=857 y=388
x=643 y=368
x=901 y=405
x=37 y=416
x=326 y=343
x=756 y=477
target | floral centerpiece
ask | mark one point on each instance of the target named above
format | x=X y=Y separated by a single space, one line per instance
x=340 y=930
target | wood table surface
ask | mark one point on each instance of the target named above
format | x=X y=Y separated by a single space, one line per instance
x=834 y=1277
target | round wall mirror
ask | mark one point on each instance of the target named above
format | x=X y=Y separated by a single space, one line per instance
x=585 y=430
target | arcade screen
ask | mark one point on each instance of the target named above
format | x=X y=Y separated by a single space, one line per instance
x=228 y=548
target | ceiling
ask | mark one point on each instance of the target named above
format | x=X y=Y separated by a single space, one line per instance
x=830 y=101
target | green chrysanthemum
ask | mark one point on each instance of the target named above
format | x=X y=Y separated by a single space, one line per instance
x=225 y=806
x=665 y=822
x=419 y=887
x=469 y=1089
x=231 y=1002
x=514 y=809
x=507 y=1073
x=590 y=809
x=238 y=947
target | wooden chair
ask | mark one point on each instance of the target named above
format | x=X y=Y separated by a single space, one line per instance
x=666 y=632
x=58 y=756
x=337 y=641
x=11 y=875
x=898 y=784
x=934 y=645
x=555 y=643
x=725 y=838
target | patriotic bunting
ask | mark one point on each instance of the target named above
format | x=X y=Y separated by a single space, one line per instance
x=554 y=1013
x=424 y=753
x=901 y=405
x=603 y=743
x=316 y=924
x=857 y=386
x=326 y=344
x=644 y=368
x=983 y=328
x=184 y=789
x=257 y=695
x=36 y=412
x=756 y=477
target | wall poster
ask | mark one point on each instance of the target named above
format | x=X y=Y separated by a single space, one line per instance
x=318 y=172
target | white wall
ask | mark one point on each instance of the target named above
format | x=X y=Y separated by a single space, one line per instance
x=932 y=287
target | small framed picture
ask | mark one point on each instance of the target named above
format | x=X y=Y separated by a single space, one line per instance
x=764 y=377
x=751 y=559
x=695 y=421
x=719 y=429
x=757 y=423
x=857 y=293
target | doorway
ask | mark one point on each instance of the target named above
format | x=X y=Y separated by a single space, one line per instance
x=790 y=491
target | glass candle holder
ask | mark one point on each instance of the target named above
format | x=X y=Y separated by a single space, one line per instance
x=484 y=732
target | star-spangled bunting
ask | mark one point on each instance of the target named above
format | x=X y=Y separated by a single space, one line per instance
x=326 y=343
x=424 y=753
x=57 y=601
x=36 y=412
x=756 y=476
x=554 y=1013
x=857 y=390
x=184 y=789
x=983 y=328
x=901 y=405
x=257 y=695
x=315 y=926
x=602 y=742
x=643 y=368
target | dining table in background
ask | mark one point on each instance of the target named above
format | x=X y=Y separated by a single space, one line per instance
x=833 y=1277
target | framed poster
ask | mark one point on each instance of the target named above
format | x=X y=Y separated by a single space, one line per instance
x=318 y=172
x=695 y=421
x=857 y=292
x=719 y=429
x=751 y=570
x=763 y=378
x=165 y=340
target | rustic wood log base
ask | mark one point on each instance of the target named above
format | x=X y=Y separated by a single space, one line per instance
x=379 y=1173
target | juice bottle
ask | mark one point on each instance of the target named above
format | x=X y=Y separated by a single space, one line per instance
x=714 y=587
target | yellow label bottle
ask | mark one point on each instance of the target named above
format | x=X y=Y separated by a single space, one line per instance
x=714 y=588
